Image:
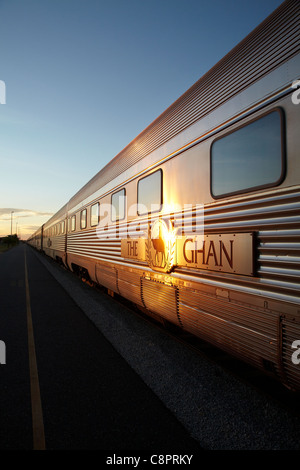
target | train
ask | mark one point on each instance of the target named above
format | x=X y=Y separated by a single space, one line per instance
x=197 y=220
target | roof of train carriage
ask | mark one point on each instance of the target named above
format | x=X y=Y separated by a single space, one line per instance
x=275 y=40
x=59 y=215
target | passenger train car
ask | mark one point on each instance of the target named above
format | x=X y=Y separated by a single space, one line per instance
x=197 y=219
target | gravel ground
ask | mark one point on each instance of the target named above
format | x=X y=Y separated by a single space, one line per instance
x=218 y=410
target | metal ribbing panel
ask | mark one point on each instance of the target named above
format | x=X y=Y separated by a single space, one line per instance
x=252 y=318
x=273 y=42
x=246 y=332
x=107 y=277
x=129 y=284
x=58 y=243
x=160 y=299
x=277 y=250
x=89 y=244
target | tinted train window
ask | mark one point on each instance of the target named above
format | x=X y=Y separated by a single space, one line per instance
x=150 y=193
x=83 y=218
x=118 y=205
x=95 y=214
x=73 y=223
x=249 y=158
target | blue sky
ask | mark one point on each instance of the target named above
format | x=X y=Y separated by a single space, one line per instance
x=84 y=77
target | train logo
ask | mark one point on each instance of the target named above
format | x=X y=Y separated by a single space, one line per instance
x=161 y=246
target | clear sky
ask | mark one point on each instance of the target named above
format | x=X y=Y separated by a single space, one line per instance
x=84 y=77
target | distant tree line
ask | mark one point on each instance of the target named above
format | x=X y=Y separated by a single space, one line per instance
x=10 y=240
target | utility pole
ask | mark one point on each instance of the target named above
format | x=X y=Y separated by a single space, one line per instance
x=11 y=221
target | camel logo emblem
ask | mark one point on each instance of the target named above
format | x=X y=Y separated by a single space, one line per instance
x=160 y=246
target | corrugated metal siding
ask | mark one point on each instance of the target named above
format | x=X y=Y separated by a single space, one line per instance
x=160 y=299
x=275 y=217
x=241 y=328
x=273 y=42
x=251 y=318
x=129 y=284
x=87 y=243
x=107 y=277
x=247 y=332
x=58 y=243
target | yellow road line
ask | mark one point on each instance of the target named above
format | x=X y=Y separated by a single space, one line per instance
x=36 y=404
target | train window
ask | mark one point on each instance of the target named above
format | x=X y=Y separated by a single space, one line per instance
x=95 y=214
x=118 y=205
x=83 y=218
x=63 y=227
x=149 y=196
x=73 y=223
x=248 y=158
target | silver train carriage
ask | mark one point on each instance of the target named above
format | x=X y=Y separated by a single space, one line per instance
x=197 y=219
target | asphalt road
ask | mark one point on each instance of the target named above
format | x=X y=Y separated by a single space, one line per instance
x=63 y=385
